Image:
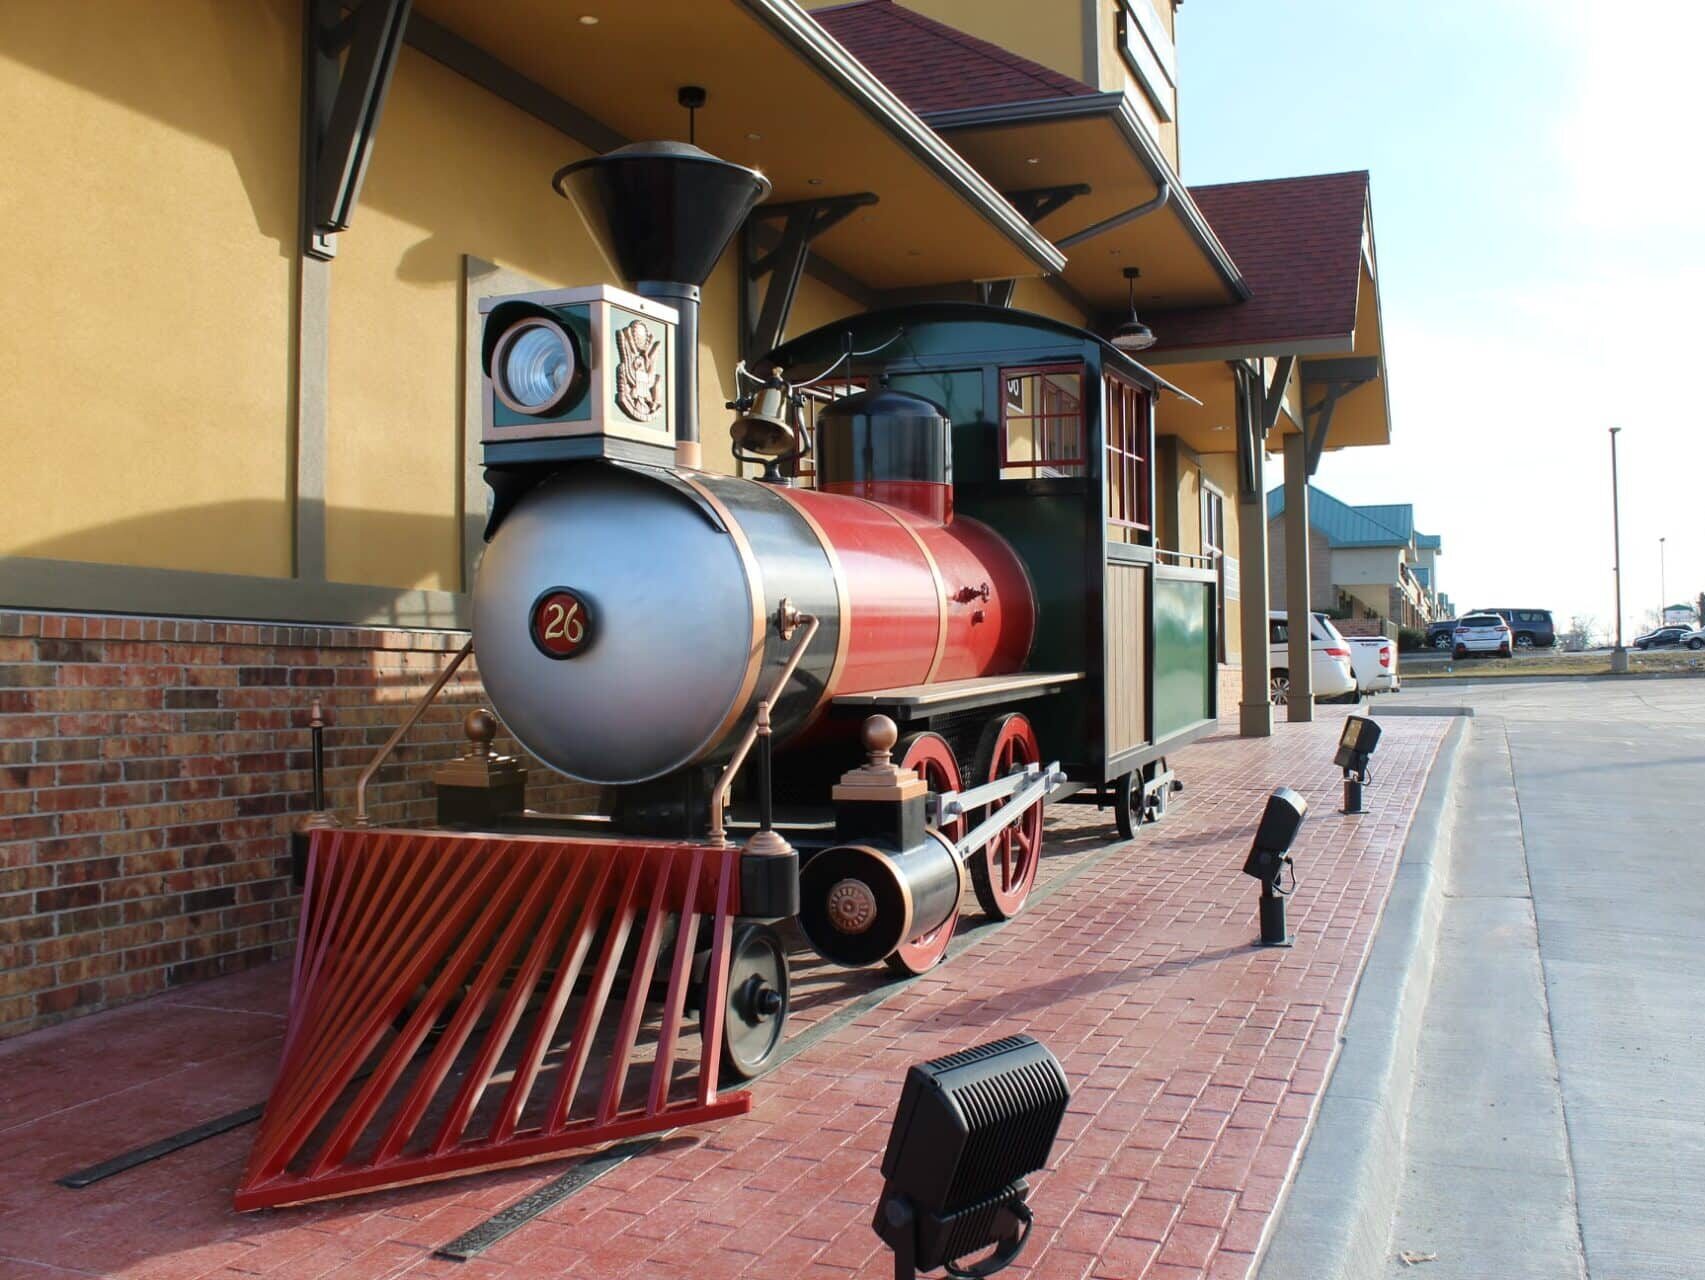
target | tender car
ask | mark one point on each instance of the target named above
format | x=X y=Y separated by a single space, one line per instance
x=1439 y=633
x=1669 y=637
x=1482 y=633
x=1374 y=661
x=1329 y=652
x=1532 y=628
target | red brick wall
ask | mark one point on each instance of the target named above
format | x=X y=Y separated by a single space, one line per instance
x=152 y=770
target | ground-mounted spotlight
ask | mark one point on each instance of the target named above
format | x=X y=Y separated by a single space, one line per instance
x=969 y=1129
x=1355 y=748
x=1270 y=855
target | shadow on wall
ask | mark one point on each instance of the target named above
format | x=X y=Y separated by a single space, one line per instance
x=230 y=74
x=187 y=65
x=397 y=550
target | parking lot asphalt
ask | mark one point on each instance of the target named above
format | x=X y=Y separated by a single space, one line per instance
x=1558 y=1121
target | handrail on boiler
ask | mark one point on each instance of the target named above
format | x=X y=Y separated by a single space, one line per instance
x=391 y=742
x=788 y=619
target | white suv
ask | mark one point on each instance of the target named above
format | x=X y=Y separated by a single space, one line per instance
x=1330 y=659
x=1481 y=633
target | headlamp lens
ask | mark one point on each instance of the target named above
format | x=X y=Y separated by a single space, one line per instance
x=537 y=367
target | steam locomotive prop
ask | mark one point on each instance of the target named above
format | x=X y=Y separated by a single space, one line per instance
x=844 y=705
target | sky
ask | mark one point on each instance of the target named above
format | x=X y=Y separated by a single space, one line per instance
x=1539 y=225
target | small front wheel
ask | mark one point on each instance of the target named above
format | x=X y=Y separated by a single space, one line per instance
x=1127 y=805
x=1696 y=643
x=755 y=1005
x=1279 y=688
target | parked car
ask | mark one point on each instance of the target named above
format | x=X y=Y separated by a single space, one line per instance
x=1374 y=661
x=1333 y=677
x=1439 y=633
x=1482 y=633
x=1669 y=637
x=1532 y=628
x=1695 y=638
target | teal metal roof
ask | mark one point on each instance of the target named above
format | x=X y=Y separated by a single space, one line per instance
x=1423 y=575
x=1347 y=526
x=1428 y=541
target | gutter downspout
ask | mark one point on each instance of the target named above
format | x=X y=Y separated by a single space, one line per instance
x=1161 y=198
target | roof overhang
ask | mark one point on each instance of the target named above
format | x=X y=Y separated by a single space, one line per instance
x=1345 y=367
x=1098 y=138
x=1207 y=422
x=784 y=98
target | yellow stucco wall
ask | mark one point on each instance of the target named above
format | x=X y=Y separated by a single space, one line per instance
x=455 y=171
x=1037 y=295
x=149 y=202
x=1114 y=73
x=1220 y=470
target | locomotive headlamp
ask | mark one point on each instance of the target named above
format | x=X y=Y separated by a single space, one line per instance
x=1355 y=748
x=533 y=368
x=970 y=1127
x=1270 y=854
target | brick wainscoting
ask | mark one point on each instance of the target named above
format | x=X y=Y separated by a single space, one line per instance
x=153 y=769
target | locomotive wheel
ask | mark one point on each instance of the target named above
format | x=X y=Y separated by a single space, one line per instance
x=932 y=759
x=755 y=1006
x=1003 y=871
x=1128 y=805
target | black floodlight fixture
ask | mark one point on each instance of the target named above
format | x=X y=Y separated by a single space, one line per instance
x=970 y=1128
x=1132 y=334
x=1270 y=855
x=1355 y=748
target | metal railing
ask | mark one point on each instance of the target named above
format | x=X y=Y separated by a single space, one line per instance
x=420 y=707
x=789 y=620
x=1187 y=559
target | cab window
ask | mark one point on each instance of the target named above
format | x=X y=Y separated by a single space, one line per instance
x=1042 y=422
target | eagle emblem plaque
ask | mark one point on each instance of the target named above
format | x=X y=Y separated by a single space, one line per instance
x=639 y=374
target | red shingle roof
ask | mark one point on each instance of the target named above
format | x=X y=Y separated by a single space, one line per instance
x=1298 y=242
x=934 y=67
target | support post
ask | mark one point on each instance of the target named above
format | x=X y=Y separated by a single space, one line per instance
x=1255 y=710
x=1300 y=705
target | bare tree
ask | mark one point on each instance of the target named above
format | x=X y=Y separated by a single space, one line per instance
x=1583 y=632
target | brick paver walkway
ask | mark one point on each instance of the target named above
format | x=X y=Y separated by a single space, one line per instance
x=1196 y=1062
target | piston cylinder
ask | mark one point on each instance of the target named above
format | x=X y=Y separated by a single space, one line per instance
x=858 y=903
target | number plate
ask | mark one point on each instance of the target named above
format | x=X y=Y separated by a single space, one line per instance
x=561 y=624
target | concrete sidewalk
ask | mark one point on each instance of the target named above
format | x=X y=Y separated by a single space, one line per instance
x=1556 y=1128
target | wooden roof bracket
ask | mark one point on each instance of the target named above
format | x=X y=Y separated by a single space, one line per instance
x=341 y=103
x=1035 y=203
x=784 y=262
x=1337 y=378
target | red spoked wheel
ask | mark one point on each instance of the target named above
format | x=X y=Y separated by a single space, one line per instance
x=1004 y=870
x=929 y=756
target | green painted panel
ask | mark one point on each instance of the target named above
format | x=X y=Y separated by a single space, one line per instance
x=1183 y=659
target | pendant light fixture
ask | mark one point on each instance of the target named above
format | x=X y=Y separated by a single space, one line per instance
x=1133 y=334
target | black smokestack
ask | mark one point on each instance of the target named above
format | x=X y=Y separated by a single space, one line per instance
x=667 y=211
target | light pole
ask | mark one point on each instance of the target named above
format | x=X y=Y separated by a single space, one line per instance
x=1663 y=591
x=1618 y=655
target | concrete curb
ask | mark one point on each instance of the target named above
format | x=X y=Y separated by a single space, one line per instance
x=1423 y=682
x=1335 y=1217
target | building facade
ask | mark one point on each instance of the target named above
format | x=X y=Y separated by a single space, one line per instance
x=1367 y=563
x=241 y=473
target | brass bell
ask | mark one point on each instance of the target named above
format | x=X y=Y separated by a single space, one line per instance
x=765 y=426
